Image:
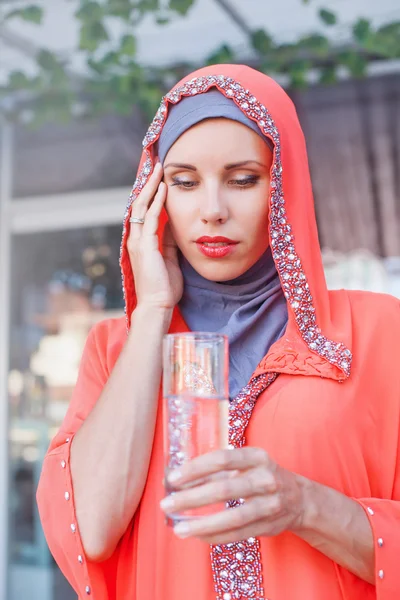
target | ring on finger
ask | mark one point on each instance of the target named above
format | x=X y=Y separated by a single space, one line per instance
x=136 y=220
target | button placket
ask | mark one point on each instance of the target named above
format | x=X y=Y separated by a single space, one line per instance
x=379 y=541
x=67 y=497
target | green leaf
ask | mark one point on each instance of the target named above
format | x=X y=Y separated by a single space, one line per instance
x=106 y=64
x=32 y=14
x=54 y=70
x=315 y=44
x=92 y=35
x=386 y=40
x=17 y=80
x=298 y=73
x=284 y=55
x=261 y=41
x=147 y=6
x=90 y=12
x=119 y=8
x=390 y=29
x=181 y=6
x=128 y=45
x=270 y=66
x=328 y=75
x=354 y=62
x=162 y=20
x=361 y=30
x=223 y=55
x=327 y=16
x=47 y=60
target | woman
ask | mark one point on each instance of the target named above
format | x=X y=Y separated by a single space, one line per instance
x=314 y=380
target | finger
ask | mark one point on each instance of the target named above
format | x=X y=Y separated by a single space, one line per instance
x=198 y=482
x=220 y=460
x=232 y=519
x=263 y=527
x=152 y=217
x=255 y=482
x=170 y=248
x=140 y=205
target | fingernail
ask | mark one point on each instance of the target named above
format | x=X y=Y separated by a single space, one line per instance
x=174 y=476
x=167 y=503
x=182 y=529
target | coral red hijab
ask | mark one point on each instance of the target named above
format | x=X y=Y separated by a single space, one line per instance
x=293 y=232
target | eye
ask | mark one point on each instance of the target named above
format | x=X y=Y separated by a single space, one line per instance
x=183 y=183
x=243 y=182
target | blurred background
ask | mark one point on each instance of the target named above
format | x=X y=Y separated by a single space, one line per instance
x=79 y=82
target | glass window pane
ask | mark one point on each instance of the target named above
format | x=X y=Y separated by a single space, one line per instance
x=62 y=283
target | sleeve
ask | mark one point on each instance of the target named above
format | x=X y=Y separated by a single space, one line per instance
x=384 y=514
x=55 y=496
x=384 y=518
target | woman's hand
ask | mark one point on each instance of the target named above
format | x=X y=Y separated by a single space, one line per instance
x=158 y=278
x=274 y=499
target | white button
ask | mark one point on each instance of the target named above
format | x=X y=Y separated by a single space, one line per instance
x=73 y=528
x=63 y=464
x=88 y=590
x=381 y=574
x=80 y=558
x=380 y=542
x=66 y=495
x=369 y=509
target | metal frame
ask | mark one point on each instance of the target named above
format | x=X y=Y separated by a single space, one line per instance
x=6 y=148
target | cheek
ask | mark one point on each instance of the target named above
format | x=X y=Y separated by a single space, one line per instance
x=178 y=215
x=253 y=212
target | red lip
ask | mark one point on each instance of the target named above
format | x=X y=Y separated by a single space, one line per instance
x=226 y=246
x=214 y=240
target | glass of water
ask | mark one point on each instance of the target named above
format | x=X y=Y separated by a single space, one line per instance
x=196 y=403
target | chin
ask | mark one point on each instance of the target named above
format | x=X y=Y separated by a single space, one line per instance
x=218 y=270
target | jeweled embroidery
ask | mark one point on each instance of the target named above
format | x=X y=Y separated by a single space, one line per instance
x=237 y=567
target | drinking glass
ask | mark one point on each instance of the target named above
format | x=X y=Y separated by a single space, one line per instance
x=195 y=403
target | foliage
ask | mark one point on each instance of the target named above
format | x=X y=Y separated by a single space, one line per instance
x=115 y=80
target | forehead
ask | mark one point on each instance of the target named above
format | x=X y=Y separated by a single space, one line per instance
x=219 y=138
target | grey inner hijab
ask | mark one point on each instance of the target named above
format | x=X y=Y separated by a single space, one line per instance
x=193 y=109
x=251 y=309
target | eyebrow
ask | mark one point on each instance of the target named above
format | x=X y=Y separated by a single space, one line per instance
x=243 y=163
x=181 y=166
x=228 y=167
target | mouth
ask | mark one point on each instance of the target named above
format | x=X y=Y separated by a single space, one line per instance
x=216 y=247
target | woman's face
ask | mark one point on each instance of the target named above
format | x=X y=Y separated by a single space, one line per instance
x=217 y=175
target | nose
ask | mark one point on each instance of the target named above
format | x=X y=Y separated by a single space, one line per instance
x=213 y=206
